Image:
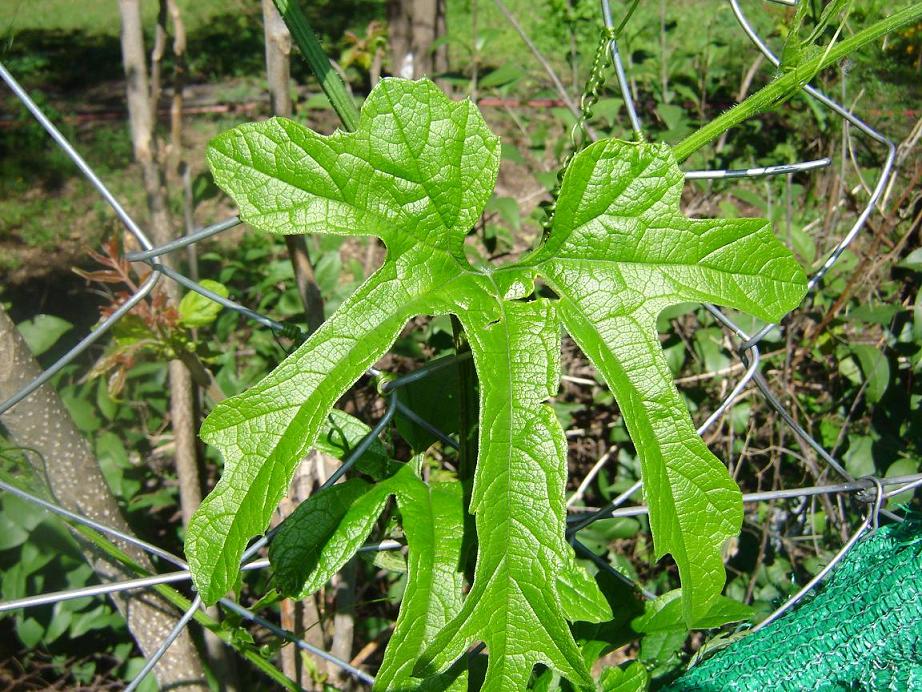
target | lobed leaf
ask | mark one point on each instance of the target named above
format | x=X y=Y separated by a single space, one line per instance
x=326 y=530
x=620 y=252
x=417 y=174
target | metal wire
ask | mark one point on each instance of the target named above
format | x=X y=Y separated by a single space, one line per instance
x=622 y=77
x=414 y=417
x=68 y=149
x=860 y=485
x=759 y=171
x=868 y=523
x=190 y=239
x=425 y=371
x=247 y=614
x=167 y=643
x=97 y=590
x=226 y=302
x=153 y=580
x=102 y=528
x=606 y=566
x=747 y=351
x=841 y=111
x=84 y=344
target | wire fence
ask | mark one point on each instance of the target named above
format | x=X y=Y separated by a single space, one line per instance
x=871 y=490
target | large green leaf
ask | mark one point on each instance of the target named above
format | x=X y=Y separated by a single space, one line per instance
x=417 y=173
x=619 y=253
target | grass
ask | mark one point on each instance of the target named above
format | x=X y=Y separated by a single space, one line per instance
x=99 y=17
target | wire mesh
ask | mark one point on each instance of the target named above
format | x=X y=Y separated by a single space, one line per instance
x=747 y=348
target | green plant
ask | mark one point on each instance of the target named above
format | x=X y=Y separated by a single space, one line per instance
x=618 y=253
x=417 y=173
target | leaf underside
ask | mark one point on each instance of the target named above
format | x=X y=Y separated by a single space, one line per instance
x=417 y=174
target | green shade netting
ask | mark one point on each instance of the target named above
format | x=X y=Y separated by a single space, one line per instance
x=862 y=629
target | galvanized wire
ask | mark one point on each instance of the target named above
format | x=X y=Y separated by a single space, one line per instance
x=747 y=349
x=173 y=635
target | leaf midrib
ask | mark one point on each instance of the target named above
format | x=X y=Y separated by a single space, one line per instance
x=655 y=265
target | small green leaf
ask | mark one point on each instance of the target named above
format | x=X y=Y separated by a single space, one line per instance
x=83 y=415
x=330 y=526
x=502 y=76
x=580 y=597
x=859 y=459
x=676 y=120
x=876 y=371
x=665 y=613
x=11 y=535
x=30 y=632
x=508 y=210
x=599 y=535
x=99 y=618
x=631 y=678
x=661 y=648
x=60 y=621
x=42 y=332
x=511 y=153
x=113 y=460
x=879 y=313
x=343 y=433
x=132 y=329
x=323 y=533
x=902 y=467
x=391 y=560
x=912 y=261
x=708 y=344
x=196 y=310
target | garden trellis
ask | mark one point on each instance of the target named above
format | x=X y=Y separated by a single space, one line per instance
x=747 y=349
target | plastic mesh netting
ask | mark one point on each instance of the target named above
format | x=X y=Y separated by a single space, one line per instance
x=861 y=630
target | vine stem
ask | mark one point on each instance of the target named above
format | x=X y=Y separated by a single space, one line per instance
x=330 y=82
x=771 y=94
